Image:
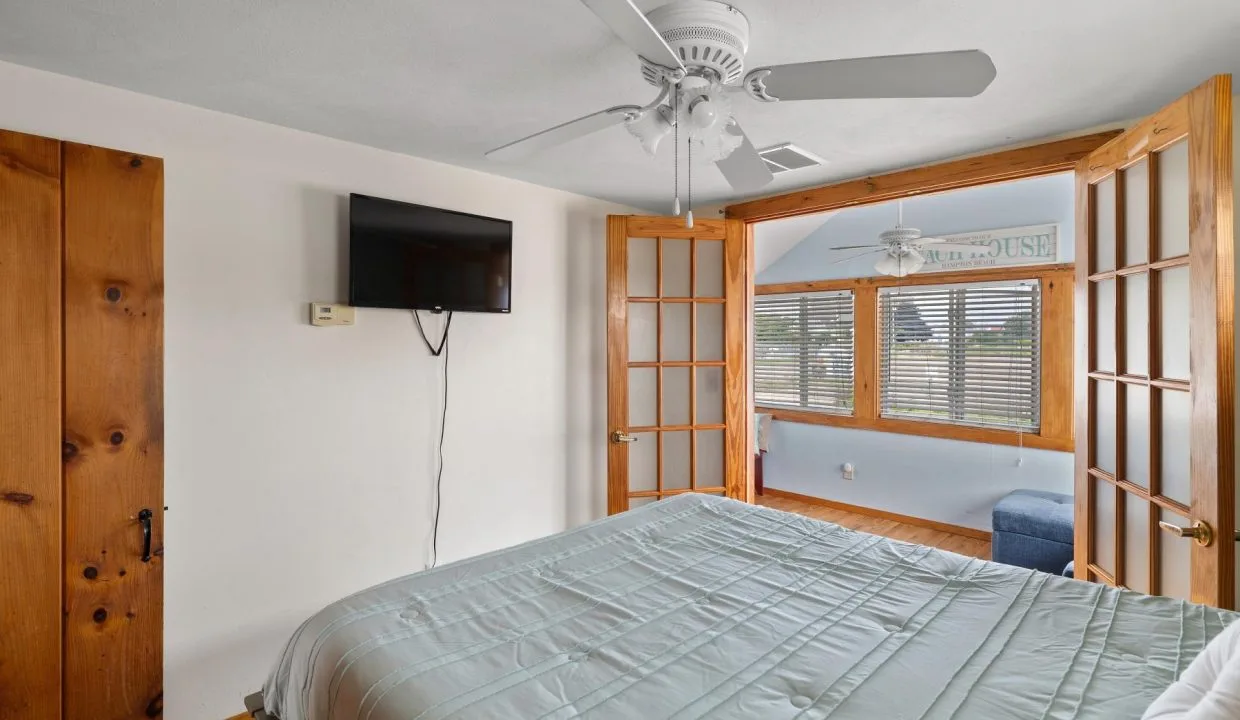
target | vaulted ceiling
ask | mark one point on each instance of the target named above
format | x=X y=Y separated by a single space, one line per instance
x=449 y=80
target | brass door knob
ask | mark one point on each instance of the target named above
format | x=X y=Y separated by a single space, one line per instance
x=622 y=437
x=1200 y=532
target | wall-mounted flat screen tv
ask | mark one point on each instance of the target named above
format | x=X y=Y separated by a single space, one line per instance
x=423 y=258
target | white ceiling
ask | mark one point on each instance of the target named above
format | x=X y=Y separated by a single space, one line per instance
x=448 y=80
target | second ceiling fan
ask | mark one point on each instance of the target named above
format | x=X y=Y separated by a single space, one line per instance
x=903 y=248
x=694 y=51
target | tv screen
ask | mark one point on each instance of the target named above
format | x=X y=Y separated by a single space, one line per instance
x=423 y=258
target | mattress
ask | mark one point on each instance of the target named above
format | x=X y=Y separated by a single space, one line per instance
x=700 y=606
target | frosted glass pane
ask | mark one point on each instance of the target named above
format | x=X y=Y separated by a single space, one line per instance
x=1174 y=299
x=675 y=460
x=635 y=503
x=1136 y=543
x=1137 y=324
x=1104 y=325
x=1104 y=225
x=1173 y=191
x=644 y=462
x=1176 y=561
x=710 y=458
x=1137 y=214
x=643 y=394
x=1104 y=525
x=709 y=268
x=643 y=332
x=676 y=396
x=675 y=267
x=1177 y=413
x=643 y=267
x=1104 y=425
x=710 y=331
x=709 y=395
x=1137 y=436
x=676 y=337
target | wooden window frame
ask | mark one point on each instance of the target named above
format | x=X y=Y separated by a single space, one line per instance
x=1057 y=284
x=1047 y=158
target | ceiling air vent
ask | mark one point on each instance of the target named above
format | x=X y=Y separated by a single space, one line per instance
x=786 y=156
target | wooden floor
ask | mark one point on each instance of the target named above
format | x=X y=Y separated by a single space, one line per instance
x=882 y=526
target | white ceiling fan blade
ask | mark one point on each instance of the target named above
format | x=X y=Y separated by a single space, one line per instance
x=631 y=26
x=961 y=73
x=948 y=246
x=744 y=169
x=571 y=130
x=854 y=257
x=857 y=247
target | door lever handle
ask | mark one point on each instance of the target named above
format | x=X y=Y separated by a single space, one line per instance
x=144 y=517
x=1200 y=532
x=622 y=437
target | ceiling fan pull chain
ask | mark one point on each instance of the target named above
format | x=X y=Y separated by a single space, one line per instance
x=689 y=176
x=676 y=149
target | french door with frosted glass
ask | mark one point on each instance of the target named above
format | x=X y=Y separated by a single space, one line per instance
x=676 y=366
x=1155 y=497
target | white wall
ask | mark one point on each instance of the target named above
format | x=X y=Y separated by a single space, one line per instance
x=946 y=480
x=299 y=459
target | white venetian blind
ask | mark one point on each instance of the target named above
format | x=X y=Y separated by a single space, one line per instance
x=965 y=354
x=803 y=351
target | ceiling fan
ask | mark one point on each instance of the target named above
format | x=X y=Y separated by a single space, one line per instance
x=902 y=247
x=694 y=52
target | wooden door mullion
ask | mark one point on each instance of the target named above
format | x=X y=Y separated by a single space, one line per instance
x=1153 y=348
x=1121 y=368
x=658 y=373
x=693 y=292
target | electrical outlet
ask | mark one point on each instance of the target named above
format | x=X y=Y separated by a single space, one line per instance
x=324 y=314
x=847 y=471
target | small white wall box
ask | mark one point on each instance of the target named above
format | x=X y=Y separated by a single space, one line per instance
x=324 y=314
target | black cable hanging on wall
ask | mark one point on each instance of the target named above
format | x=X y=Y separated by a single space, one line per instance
x=442 y=349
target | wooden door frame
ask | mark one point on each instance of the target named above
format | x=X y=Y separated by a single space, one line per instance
x=1036 y=160
x=1212 y=442
x=736 y=259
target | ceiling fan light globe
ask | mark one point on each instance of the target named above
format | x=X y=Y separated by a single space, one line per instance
x=703 y=114
x=651 y=128
x=888 y=264
x=912 y=263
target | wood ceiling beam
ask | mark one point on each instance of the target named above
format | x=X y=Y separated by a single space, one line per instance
x=1032 y=161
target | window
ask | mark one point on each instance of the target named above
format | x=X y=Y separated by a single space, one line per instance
x=966 y=354
x=803 y=351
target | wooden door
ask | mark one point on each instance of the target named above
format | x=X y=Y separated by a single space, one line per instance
x=30 y=396
x=81 y=431
x=1155 y=496
x=676 y=344
x=114 y=433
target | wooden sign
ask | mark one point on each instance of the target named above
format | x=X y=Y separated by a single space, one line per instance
x=1029 y=245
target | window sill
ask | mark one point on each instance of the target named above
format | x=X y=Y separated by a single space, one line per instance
x=944 y=431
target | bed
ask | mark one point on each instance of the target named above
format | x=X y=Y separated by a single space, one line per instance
x=700 y=606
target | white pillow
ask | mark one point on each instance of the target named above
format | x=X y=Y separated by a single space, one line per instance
x=1209 y=689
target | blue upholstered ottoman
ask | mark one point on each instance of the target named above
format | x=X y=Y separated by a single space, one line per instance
x=1033 y=529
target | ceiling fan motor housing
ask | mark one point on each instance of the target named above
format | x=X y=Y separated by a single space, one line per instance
x=706 y=34
x=900 y=235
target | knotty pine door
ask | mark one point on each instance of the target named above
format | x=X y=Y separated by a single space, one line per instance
x=81 y=431
x=1155 y=381
x=676 y=360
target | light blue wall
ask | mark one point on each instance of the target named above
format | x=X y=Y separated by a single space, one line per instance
x=946 y=480
x=990 y=207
